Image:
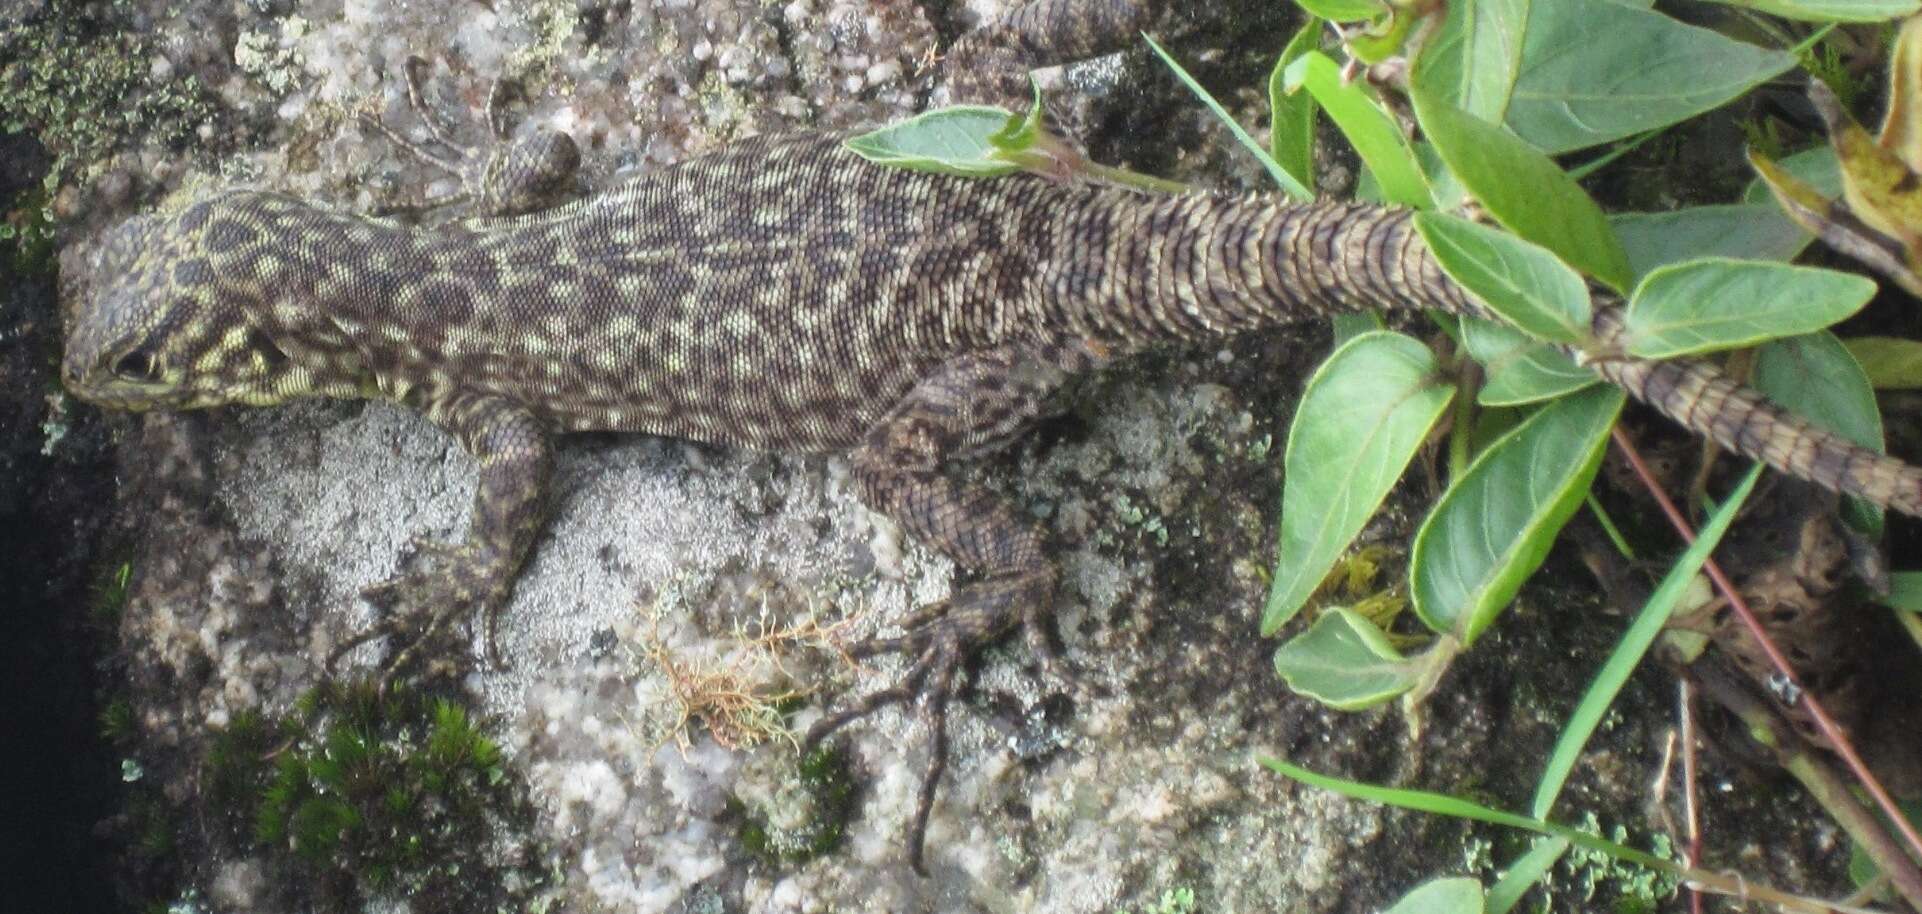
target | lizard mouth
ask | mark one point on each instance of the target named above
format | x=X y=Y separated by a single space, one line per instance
x=115 y=393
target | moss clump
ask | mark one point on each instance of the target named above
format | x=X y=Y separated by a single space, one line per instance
x=117 y=721
x=359 y=792
x=108 y=593
x=805 y=818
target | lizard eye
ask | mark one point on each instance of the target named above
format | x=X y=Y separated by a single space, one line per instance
x=138 y=365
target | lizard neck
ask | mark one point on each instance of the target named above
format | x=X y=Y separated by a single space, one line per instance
x=302 y=281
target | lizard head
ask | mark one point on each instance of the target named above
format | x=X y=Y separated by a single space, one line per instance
x=151 y=325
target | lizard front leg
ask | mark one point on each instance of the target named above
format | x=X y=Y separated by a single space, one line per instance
x=974 y=403
x=449 y=580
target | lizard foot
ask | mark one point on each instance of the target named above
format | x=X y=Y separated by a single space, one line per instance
x=940 y=637
x=444 y=582
x=508 y=178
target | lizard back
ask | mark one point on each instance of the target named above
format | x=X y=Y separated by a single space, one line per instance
x=779 y=295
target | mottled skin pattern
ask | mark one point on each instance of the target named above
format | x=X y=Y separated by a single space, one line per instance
x=785 y=295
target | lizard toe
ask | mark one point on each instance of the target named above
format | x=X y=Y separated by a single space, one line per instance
x=940 y=637
x=444 y=583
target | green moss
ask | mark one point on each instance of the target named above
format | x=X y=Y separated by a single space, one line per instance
x=109 y=591
x=1173 y=901
x=154 y=824
x=360 y=792
x=806 y=820
x=1590 y=880
x=116 y=721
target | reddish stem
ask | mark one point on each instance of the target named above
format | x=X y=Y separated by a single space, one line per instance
x=1837 y=742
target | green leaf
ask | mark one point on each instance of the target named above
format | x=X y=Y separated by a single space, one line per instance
x=1522 y=282
x=1524 y=873
x=1816 y=167
x=1443 y=804
x=1890 y=363
x=1742 y=231
x=1905 y=591
x=1831 y=10
x=1376 y=136
x=1346 y=663
x=1020 y=132
x=1291 y=128
x=1520 y=370
x=1289 y=183
x=1457 y=895
x=1362 y=416
x=1344 y=10
x=1596 y=70
x=1633 y=644
x=1473 y=61
x=1493 y=527
x=1523 y=190
x=1352 y=324
x=950 y=141
x=1815 y=377
x=1719 y=303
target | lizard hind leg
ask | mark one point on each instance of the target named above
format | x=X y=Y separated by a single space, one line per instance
x=972 y=404
x=507 y=177
x=990 y=65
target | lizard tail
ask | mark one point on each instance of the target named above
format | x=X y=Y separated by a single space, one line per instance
x=1185 y=267
x=1700 y=397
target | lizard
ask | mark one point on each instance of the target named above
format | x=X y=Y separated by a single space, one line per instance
x=784 y=294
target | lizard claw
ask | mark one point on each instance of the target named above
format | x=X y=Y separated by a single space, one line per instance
x=444 y=582
x=929 y=685
x=940 y=636
x=507 y=177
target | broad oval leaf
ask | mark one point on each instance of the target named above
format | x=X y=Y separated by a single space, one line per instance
x=1454 y=895
x=1353 y=324
x=1815 y=377
x=1362 y=416
x=1523 y=189
x=1745 y=231
x=1346 y=663
x=951 y=141
x=1473 y=60
x=1520 y=370
x=1524 y=283
x=1719 y=303
x=1597 y=70
x=1374 y=134
x=1494 y=525
x=1831 y=10
x=1891 y=363
x=1817 y=167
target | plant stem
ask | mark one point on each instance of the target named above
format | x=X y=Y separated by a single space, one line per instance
x=1906 y=877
